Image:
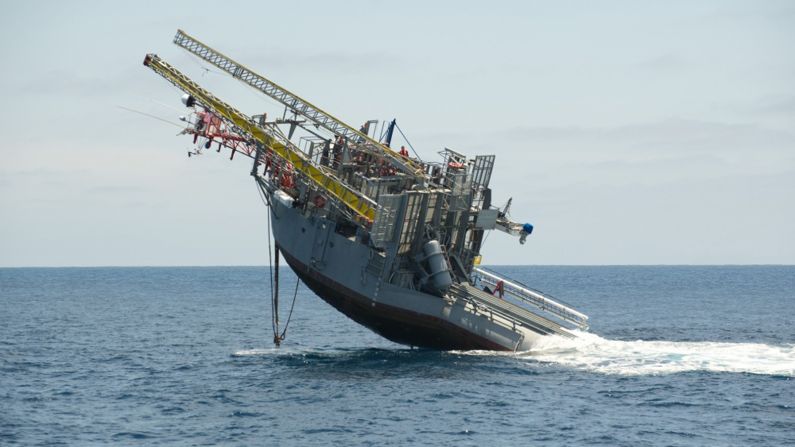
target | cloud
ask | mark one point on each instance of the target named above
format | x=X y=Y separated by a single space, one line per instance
x=780 y=106
x=659 y=152
x=667 y=152
x=674 y=134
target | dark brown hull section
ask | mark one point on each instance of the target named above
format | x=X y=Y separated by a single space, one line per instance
x=396 y=324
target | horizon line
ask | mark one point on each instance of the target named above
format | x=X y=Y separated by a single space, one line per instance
x=485 y=265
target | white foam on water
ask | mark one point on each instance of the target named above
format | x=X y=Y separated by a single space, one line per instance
x=257 y=352
x=594 y=353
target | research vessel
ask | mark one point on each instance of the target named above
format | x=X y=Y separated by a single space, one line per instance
x=391 y=240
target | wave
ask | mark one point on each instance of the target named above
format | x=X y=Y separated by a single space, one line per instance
x=594 y=353
x=589 y=352
x=261 y=352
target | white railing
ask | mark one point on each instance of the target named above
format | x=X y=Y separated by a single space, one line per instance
x=533 y=297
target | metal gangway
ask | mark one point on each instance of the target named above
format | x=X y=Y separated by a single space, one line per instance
x=530 y=296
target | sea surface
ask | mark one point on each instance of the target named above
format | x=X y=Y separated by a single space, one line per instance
x=676 y=356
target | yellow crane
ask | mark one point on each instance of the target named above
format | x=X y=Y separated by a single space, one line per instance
x=242 y=124
x=297 y=104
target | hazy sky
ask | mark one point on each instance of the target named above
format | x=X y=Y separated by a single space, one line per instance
x=627 y=132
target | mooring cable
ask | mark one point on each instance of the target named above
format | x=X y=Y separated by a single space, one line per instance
x=290 y=315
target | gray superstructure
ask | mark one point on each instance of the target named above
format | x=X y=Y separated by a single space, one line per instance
x=354 y=279
x=389 y=240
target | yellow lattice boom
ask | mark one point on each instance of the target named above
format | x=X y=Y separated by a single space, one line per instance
x=243 y=124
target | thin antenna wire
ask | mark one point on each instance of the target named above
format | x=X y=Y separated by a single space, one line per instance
x=151 y=116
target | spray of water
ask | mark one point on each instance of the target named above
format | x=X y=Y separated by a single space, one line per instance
x=255 y=352
x=594 y=353
x=590 y=352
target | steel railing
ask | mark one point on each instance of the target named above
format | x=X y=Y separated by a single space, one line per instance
x=532 y=297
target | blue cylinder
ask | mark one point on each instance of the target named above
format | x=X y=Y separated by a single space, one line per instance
x=527 y=228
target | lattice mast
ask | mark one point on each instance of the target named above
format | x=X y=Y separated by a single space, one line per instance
x=268 y=139
x=298 y=105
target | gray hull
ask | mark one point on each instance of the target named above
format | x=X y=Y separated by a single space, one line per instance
x=344 y=273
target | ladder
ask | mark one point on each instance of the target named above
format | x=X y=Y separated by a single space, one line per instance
x=295 y=103
x=533 y=297
x=243 y=125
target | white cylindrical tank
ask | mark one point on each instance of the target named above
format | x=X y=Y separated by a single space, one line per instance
x=187 y=100
x=437 y=266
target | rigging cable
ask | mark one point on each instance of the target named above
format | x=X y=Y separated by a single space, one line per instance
x=199 y=62
x=290 y=315
x=408 y=142
x=274 y=296
x=273 y=276
x=275 y=301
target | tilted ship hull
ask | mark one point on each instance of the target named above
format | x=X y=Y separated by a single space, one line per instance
x=391 y=241
x=342 y=273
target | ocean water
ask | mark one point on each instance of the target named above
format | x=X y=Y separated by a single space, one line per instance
x=676 y=356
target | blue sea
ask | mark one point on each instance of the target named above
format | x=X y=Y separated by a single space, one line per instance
x=676 y=356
